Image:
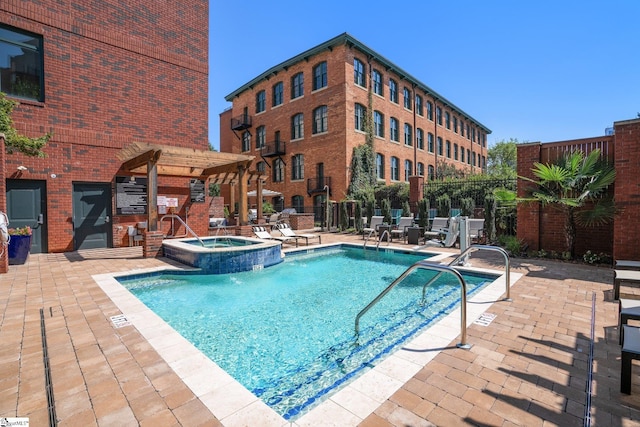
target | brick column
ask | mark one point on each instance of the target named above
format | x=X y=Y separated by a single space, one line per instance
x=152 y=244
x=416 y=183
x=4 y=258
x=529 y=213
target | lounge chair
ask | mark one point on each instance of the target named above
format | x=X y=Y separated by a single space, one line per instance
x=264 y=234
x=288 y=232
x=625 y=264
x=627 y=276
x=630 y=351
x=475 y=228
x=376 y=221
x=438 y=227
x=450 y=234
x=628 y=309
x=401 y=228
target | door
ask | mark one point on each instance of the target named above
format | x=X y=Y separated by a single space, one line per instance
x=26 y=206
x=91 y=216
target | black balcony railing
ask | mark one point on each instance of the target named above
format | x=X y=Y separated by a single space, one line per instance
x=316 y=185
x=273 y=149
x=241 y=122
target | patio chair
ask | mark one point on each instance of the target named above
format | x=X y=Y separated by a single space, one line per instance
x=624 y=276
x=630 y=351
x=288 y=232
x=626 y=264
x=475 y=228
x=628 y=309
x=401 y=228
x=438 y=227
x=372 y=229
x=264 y=234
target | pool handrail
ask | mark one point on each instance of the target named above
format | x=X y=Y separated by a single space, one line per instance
x=186 y=227
x=380 y=238
x=507 y=275
x=427 y=266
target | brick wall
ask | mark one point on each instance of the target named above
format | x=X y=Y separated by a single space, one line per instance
x=4 y=256
x=116 y=72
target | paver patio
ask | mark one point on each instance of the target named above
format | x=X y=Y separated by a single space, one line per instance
x=529 y=366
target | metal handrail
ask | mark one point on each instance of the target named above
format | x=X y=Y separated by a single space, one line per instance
x=366 y=239
x=427 y=266
x=381 y=236
x=186 y=227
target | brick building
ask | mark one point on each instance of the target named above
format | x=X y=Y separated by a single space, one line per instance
x=99 y=75
x=302 y=119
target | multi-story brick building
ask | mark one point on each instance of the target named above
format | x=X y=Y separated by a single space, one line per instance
x=302 y=119
x=98 y=75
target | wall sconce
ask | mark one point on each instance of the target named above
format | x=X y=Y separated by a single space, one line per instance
x=22 y=168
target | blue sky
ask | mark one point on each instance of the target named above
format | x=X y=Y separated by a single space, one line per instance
x=533 y=71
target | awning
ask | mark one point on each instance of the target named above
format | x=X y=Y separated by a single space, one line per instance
x=265 y=193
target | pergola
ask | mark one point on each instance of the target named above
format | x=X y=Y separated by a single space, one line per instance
x=164 y=160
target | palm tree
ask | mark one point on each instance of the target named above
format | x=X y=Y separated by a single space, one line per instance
x=576 y=185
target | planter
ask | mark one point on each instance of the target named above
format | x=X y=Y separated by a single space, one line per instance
x=18 y=250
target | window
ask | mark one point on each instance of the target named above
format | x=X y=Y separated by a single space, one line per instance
x=360 y=112
x=461 y=128
x=21 y=64
x=261 y=101
x=297 y=86
x=278 y=170
x=358 y=73
x=473 y=134
x=379 y=166
x=468 y=156
x=447 y=120
x=261 y=137
x=393 y=129
x=320 y=119
x=432 y=173
x=278 y=93
x=378 y=123
x=297 y=126
x=462 y=154
x=473 y=158
x=420 y=139
x=407 y=98
x=429 y=110
x=408 y=169
x=430 y=142
x=246 y=141
x=261 y=166
x=455 y=124
x=393 y=91
x=448 y=147
x=419 y=105
x=420 y=169
x=395 y=169
x=455 y=151
x=439 y=115
x=440 y=148
x=320 y=76
x=468 y=134
x=408 y=135
x=377 y=83
x=297 y=203
x=297 y=167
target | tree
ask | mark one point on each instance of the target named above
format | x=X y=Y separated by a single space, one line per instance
x=14 y=142
x=575 y=185
x=502 y=158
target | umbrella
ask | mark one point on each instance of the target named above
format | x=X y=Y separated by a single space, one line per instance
x=265 y=193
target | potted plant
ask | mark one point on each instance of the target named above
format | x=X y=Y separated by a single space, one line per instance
x=19 y=244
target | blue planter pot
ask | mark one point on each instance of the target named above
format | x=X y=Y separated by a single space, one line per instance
x=18 y=250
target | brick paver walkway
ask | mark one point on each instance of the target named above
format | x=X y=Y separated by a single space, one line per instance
x=529 y=366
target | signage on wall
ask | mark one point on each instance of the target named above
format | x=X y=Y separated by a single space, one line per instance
x=197 y=191
x=131 y=195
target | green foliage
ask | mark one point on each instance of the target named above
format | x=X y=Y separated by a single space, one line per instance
x=502 y=159
x=490 y=205
x=406 y=209
x=398 y=192
x=362 y=172
x=511 y=244
x=443 y=205
x=423 y=213
x=358 y=216
x=267 y=208
x=344 y=216
x=467 y=206
x=15 y=142
x=370 y=205
x=214 y=190
x=385 y=207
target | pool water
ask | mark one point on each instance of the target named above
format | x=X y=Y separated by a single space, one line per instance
x=221 y=242
x=287 y=332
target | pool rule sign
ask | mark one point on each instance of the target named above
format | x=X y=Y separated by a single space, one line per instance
x=131 y=195
x=197 y=191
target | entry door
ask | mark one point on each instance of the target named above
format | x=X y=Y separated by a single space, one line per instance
x=91 y=216
x=26 y=206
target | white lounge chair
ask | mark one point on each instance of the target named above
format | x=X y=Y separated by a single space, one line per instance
x=288 y=232
x=476 y=229
x=401 y=228
x=438 y=227
x=372 y=229
x=264 y=234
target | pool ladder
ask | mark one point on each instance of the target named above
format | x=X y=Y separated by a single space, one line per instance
x=441 y=268
x=186 y=227
x=385 y=232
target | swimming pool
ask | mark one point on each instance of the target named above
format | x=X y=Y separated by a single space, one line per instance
x=314 y=353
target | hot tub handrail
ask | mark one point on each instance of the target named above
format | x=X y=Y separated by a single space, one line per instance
x=186 y=227
x=507 y=266
x=427 y=266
